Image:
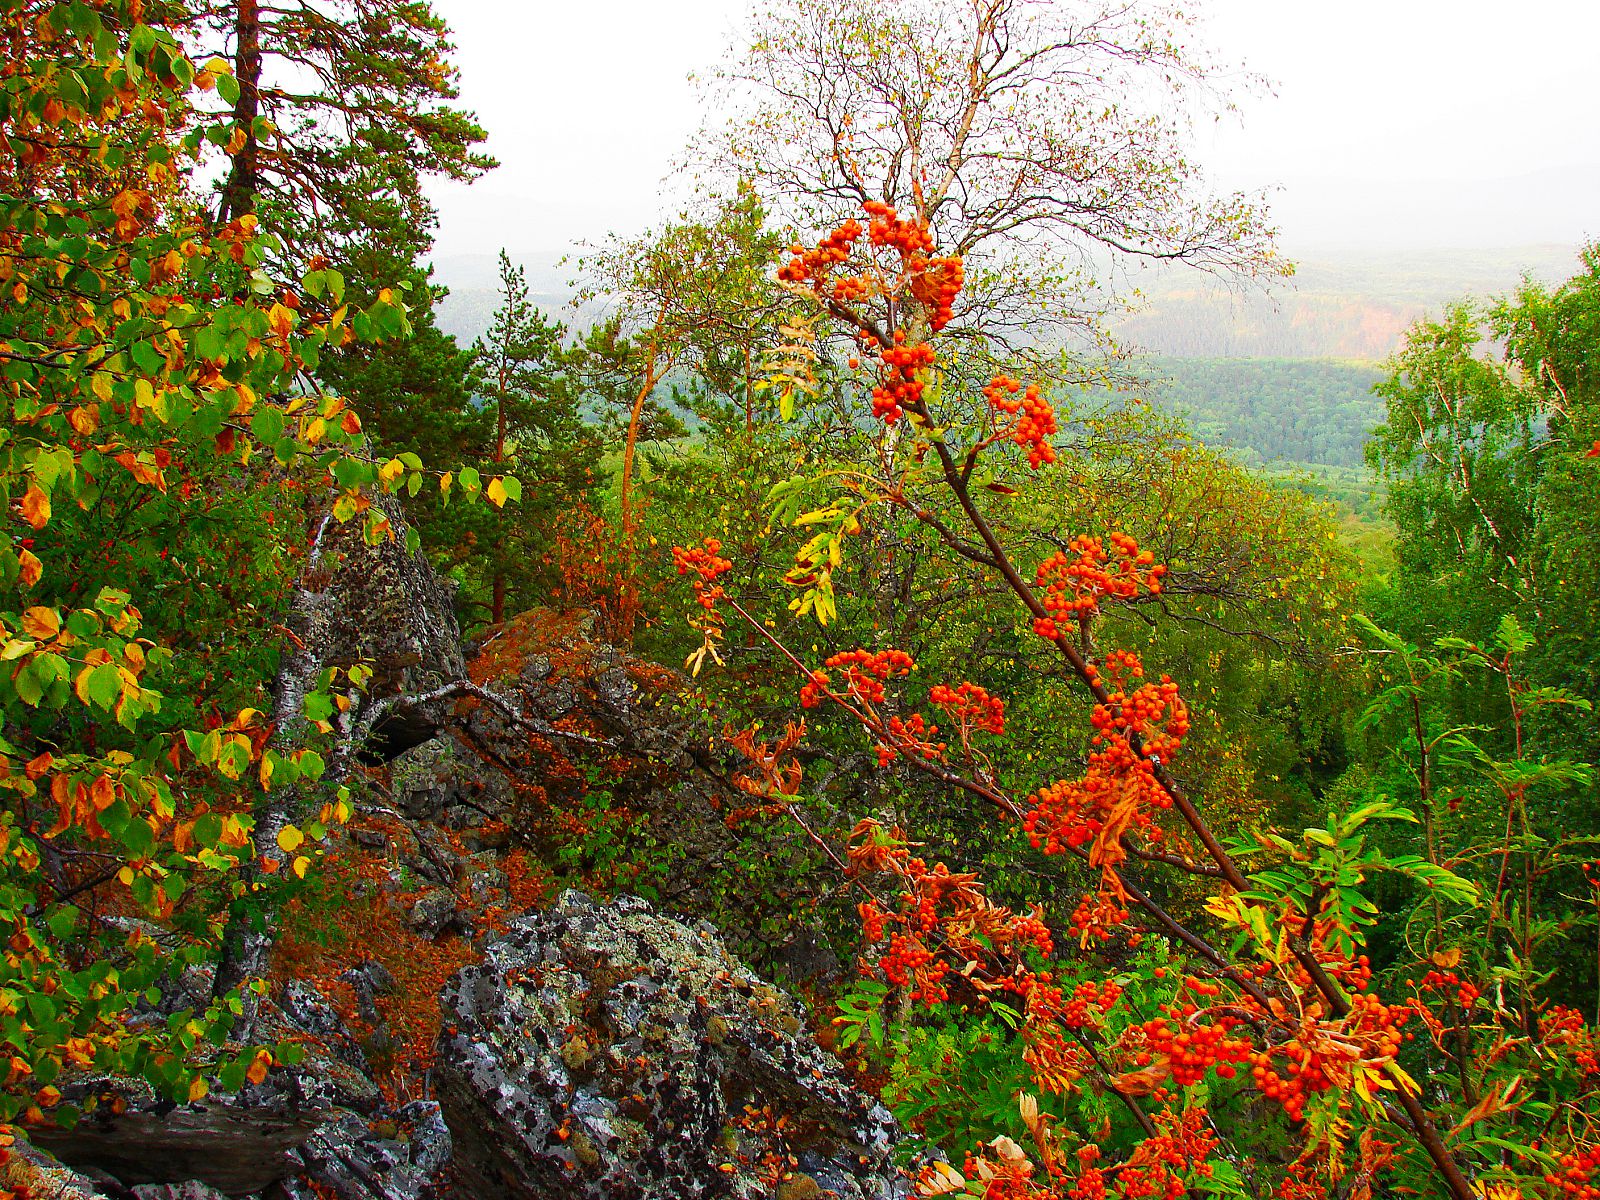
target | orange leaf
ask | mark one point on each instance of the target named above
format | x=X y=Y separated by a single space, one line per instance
x=1143 y=1082
x=32 y=569
x=258 y=1068
x=36 y=507
x=102 y=792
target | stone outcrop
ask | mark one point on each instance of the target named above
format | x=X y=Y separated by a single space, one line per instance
x=26 y=1171
x=380 y=605
x=615 y=727
x=606 y=1051
x=322 y=1121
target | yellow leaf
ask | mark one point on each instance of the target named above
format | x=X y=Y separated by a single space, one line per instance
x=32 y=569
x=198 y=1089
x=391 y=470
x=299 y=866
x=1404 y=1080
x=41 y=624
x=497 y=492
x=265 y=773
x=445 y=481
x=289 y=839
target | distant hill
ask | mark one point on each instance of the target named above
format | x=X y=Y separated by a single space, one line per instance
x=1284 y=379
x=1273 y=411
x=1348 y=305
x=1339 y=305
x=474 y=280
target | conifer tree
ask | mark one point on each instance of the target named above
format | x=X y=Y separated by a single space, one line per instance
x=529 y=392
x=341 y=107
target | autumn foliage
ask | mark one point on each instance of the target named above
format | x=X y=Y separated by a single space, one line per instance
x=1269 y=993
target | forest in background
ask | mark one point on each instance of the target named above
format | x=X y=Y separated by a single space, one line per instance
x=1169 y=842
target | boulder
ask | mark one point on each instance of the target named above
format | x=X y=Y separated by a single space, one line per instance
x=435 y=911
x=25 y=1170
x=608 y=1052
x=353 y=1161
x=380 y=605
x=311 y=1118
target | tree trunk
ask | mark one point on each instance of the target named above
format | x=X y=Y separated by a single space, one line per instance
x=239 y=193
x=497 y=604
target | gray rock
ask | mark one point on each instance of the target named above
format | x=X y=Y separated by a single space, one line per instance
x=386 y=607
x=191 y=1189
x=29 y=1171
x=235 y=1143
x=435 y=911
x=232 y=1145
x=605 y=1052
x=348 y=1158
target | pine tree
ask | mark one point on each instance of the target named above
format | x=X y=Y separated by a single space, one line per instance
x=529 y=390
x=341 y=107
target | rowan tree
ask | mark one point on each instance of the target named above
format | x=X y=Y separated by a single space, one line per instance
x=1262 y=1000
x=1045 y=145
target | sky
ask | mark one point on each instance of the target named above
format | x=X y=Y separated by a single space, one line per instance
x=1391 y=124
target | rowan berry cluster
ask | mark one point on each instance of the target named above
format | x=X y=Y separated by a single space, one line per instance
x=938 y=907
x=1077 y=581
x=971 y=707
x=1097 y=914
x=1191 y=1049
x=706 y=565
x=909 y=963
x=1367 y=1039
x=1152 y=712
x=899 y=387
x=1160 y=1167
x=1036 y=425
x=814 y=265
x=1115 y=797
x=1089 y=1001
x=936 y=283
x=1466 y=992
x=864 y=674
x=1566 y=1028
x=1577 y=1174
x=911 y=736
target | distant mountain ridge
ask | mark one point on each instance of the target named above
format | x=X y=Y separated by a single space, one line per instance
x=1348 y=305
x=1341 y=304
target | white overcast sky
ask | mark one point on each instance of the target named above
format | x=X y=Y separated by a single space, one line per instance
x=1396 y=123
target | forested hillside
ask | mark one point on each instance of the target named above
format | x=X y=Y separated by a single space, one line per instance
x=1272 y=410
x=777 y=727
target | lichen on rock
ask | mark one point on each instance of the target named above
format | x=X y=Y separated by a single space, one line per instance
x=607 y=1051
